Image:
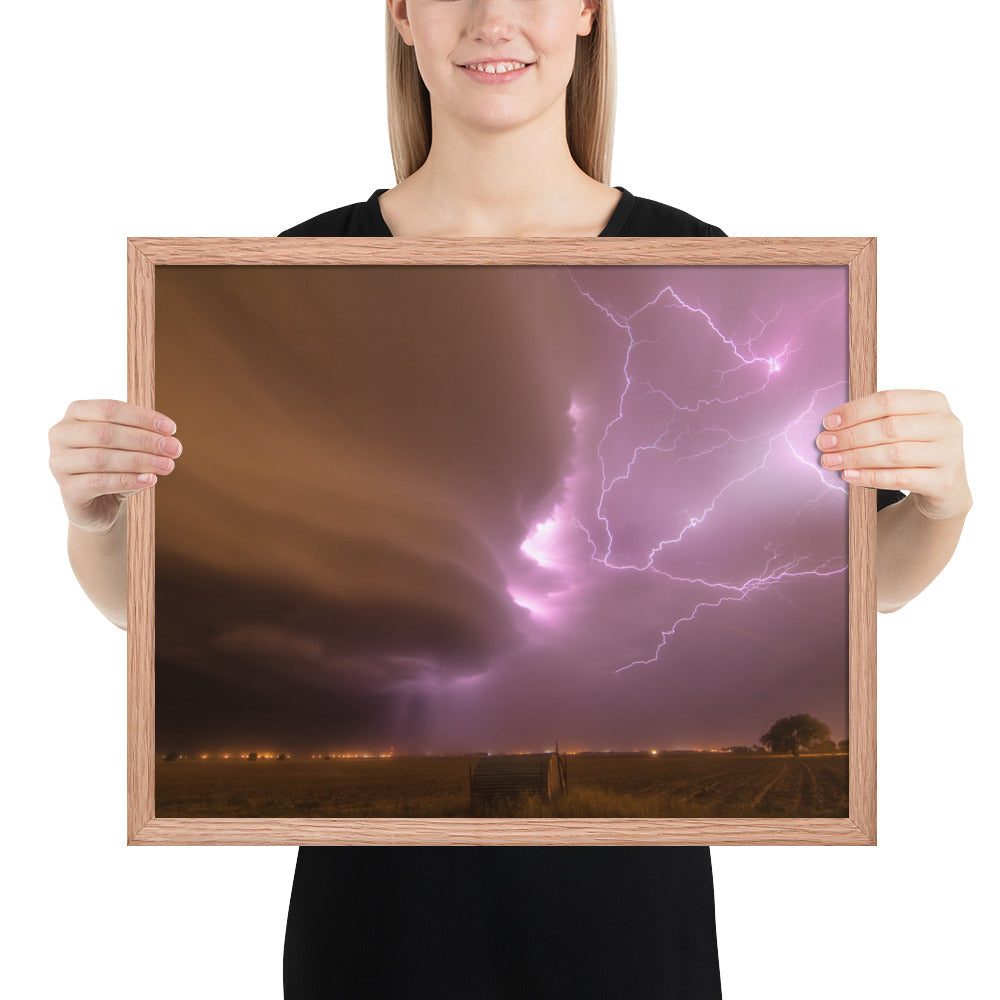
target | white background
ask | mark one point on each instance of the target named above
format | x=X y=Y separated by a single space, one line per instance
x=241 y=119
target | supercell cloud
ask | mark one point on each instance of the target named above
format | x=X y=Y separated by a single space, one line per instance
x=486 y=508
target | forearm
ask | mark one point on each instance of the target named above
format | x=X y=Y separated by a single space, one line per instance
x=98 y=560
x=912 y=551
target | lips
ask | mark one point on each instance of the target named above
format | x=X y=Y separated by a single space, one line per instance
x=490 y=62
x=493 y=76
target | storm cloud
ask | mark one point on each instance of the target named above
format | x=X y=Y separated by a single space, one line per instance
x=466 y=508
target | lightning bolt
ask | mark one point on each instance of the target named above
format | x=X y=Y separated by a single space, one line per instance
x=688 y=434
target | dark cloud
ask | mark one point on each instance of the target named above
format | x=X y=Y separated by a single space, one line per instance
x=437 y=506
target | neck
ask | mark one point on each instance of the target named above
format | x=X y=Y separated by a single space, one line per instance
x=479 y=182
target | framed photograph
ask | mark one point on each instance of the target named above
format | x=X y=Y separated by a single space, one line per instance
x=501 y=542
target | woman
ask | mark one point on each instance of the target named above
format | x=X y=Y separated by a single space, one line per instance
x=519 y=153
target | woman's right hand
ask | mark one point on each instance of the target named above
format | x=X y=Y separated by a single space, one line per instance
x=99 y=453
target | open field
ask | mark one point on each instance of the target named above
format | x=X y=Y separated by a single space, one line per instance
x=664 y=785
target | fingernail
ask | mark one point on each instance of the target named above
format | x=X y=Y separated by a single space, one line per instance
x=828 y=440
x=851 y=473
x=167 y=426
x=832 y=421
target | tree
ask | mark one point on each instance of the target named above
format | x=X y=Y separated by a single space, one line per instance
x=795 y=733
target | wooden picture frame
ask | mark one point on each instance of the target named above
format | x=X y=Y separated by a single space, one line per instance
x=150 y=259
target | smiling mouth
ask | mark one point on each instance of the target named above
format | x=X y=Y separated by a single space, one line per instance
x=495 y=74
x=496 y=68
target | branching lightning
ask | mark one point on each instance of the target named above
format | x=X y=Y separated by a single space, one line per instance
x=674 y=441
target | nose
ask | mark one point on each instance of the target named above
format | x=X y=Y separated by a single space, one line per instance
x=491 y=21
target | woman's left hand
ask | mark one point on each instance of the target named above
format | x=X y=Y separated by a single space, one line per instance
x=901 y=439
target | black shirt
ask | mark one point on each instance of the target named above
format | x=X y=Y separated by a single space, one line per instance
x=504 y=923
x=632 y=216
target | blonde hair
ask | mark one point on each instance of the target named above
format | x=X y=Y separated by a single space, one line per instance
x=590 y=100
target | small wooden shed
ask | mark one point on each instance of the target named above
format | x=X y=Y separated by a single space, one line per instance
x=510 y=774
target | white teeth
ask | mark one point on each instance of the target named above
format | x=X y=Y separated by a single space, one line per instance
x=496 y=67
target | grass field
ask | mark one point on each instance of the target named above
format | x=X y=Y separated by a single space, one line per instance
x=664 y=785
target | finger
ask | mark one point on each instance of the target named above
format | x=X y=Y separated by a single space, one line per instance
x=924 y=481
x=906 y=427
x=884 y=403
x=117 y=411
x=100 y=434
x=83 y=488
x=74 y=461
x=897 y=455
